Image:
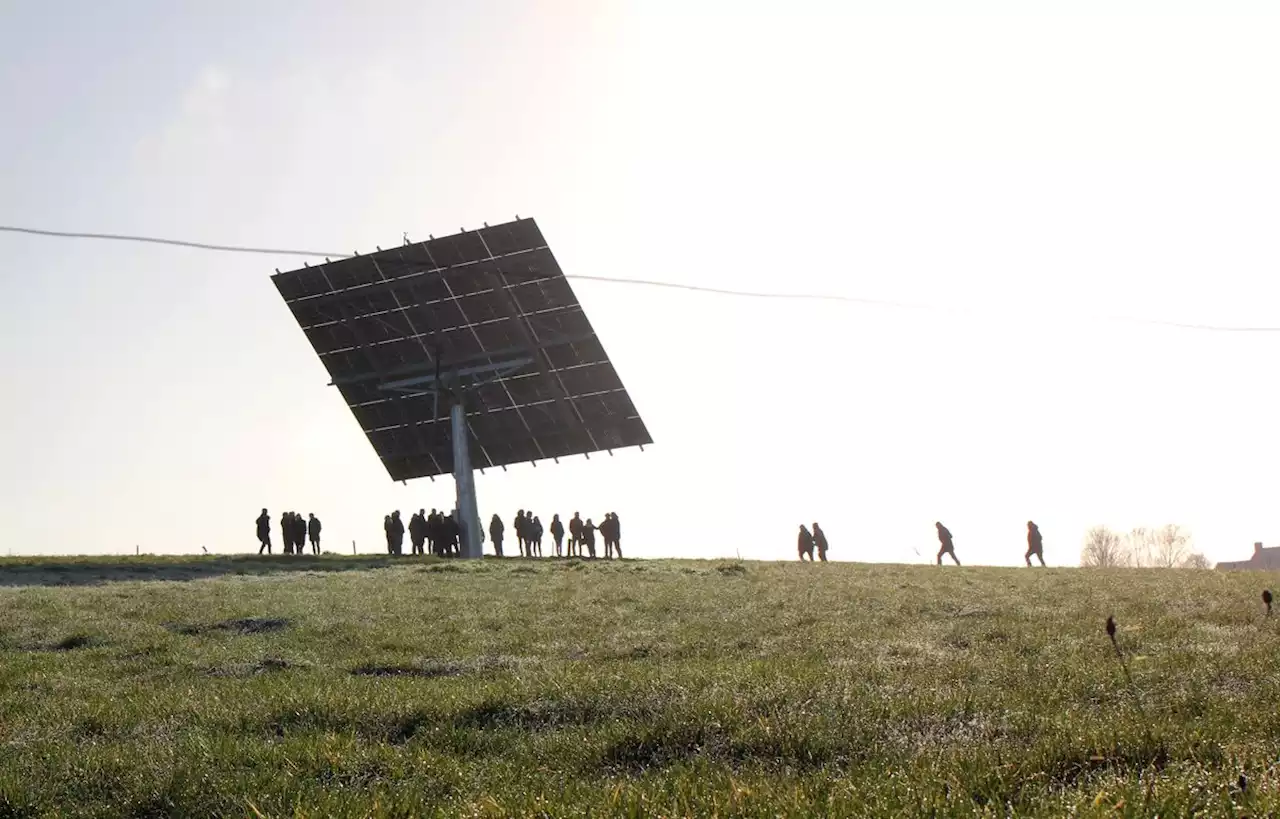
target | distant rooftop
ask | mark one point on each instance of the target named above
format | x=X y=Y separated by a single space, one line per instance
x=1263 y=558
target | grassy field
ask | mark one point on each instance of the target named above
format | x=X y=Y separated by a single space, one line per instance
x=364 y=687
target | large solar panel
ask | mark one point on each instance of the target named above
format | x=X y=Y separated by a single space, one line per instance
x=487 y=309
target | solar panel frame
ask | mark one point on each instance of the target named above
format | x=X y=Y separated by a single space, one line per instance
x=490 y=309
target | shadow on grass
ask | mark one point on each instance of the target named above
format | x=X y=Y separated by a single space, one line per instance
x=93 y=571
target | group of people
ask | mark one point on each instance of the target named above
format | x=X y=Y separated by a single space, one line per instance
x=817 y=539
x=1035 y=543
x=529 y=533
x=295 y=530
x=809 y=541
x=442 y=534
x=435 y=530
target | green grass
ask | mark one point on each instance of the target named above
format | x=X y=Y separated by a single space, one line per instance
x=362 y=687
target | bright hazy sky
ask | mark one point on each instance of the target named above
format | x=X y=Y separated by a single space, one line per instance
x=1028 y=172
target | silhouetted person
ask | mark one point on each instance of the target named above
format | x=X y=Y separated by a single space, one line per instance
x=518 y=525
x=264 y=532
x=452 y=535
x=804 y=544
x=589 y=537
x=397 y=532
x=286 y=532
x=536 y=531
x=417 y=531
x=313 y=531
x=431 y=530
x=606 y=534
x=437 y=533
x=1035 y=543
x=575 y=536
x=386 y=527
x=557 y=534
x=820 y=541
x=612 y=534
x=299 y=533
x=947 y=544
x=496 y=531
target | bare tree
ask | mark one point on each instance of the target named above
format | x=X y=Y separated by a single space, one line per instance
x=1171 y=546
x=1162 y=547
x=1103 y=549
x=1139 y=545
x=1196 y=560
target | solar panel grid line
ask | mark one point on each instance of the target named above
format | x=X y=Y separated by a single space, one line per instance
x=528 y=331
x=552 y=447
x=391 y=283
x=483 y=450
x=312 y=316
x=360 y=389
x=507 y=391
x=373 y=362
x=323 y=338
x=530 y=341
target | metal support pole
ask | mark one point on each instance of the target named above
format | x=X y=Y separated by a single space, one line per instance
x=468 y=512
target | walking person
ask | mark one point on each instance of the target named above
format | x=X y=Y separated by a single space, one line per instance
x=804 y=544
x=946 y=543
x=820 y=541
x=264 y=532
x=1035 y=543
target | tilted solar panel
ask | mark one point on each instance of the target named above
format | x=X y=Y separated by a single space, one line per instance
x=488 y=310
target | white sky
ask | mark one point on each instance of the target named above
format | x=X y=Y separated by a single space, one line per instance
x=1029 y=175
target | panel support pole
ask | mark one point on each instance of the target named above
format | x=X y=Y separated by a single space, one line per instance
x=468 y=511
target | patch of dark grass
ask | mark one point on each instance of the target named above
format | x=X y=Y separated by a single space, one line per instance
x=12 y=808
x=440 y=567
x=76 y=641
x=539 y=715
x=432 y=668
x=400 y=731
x=731 y=569
x=428 y=670
x=957 y=640
x=1072 y=766
x=243 y=625
x=90 y=728
x=393 y=728
x=668 y=746
x=267 y=665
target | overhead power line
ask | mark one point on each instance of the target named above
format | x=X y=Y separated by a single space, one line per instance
x=120 y=237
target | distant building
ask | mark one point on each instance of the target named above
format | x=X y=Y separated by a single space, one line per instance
x=1263 y=558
